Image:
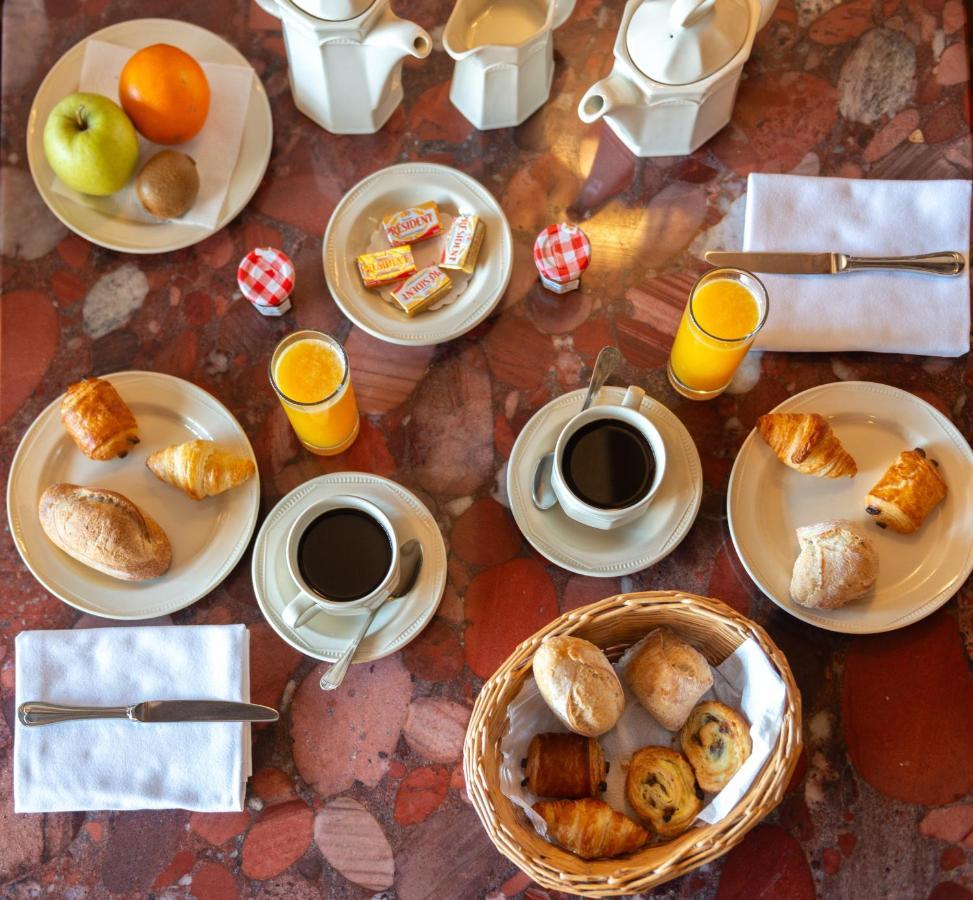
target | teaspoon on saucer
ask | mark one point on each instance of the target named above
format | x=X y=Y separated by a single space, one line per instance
x=541 y=489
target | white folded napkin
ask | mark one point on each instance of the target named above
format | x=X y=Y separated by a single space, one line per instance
x=118 y=764
x=885 y=312
x=214 y=149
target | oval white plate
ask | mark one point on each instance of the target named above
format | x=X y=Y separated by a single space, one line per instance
x=767 y=501
x=361 y=211
x=149 y=237
x=208 y=536
x=621 y=551
x=398 y=621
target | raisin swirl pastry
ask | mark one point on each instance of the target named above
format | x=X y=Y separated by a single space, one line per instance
x=662 y=790
x=716 y=741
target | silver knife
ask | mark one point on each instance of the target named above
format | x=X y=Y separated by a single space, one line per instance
x=945 y=263
x=39 y=713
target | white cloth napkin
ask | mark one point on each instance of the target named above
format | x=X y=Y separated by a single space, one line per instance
x=885 y=312
x=214 y=149
x=117 y=764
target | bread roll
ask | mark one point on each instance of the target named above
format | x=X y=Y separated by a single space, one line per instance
x=668 y=676
x=837 y=564
x=104 y=530
x=578 y=684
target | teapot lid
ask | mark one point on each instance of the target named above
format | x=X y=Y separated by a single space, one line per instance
x=682 y=41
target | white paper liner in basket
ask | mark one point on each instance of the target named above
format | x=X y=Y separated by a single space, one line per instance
x=746 y=680
x=425 y=253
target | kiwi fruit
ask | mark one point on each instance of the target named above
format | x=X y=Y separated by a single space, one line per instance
x=168 y=184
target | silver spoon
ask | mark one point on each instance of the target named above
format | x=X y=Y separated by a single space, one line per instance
x=410 y=555
x=541 y=490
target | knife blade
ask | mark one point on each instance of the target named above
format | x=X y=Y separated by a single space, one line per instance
x=39 y=713
x=944 y=263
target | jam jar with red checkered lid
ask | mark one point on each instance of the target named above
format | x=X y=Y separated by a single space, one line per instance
x=561 y=253
x=266 y=279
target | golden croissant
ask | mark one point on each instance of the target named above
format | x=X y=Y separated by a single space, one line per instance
x=590 y=828
x=805 y=442
x=200 y=468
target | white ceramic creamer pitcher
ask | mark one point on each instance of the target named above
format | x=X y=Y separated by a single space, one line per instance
x=504 y=52
x=345 y=59
x=676 y=72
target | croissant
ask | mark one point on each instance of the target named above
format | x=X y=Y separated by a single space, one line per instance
x=662 y=789
x=97 y=419
x=805 y=442
x=565 y=765
x=200 y=468
x=590 y=828
x=716 y=741
x=908 y=491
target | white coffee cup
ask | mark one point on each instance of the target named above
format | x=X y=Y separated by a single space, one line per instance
x=309 y=602
x=627 y=411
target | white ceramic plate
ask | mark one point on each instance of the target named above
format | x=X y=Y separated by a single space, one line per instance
x=358 y=215
x=149 y=237
x=591 y=551
x=326 y=635
x=208 y=536
x=918 y=573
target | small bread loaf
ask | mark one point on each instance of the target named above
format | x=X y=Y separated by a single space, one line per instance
x=104 y=530
x=837 y=564
x=661 y=788
x=590 y=828
x=568 y=766
x=908 y=491
x=97 y=419
x=716 y=741
x=668 y=676
x=578 y=684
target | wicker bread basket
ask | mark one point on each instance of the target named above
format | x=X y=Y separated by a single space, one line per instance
x=615 y=624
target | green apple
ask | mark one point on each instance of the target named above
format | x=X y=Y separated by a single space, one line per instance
x=91 y=144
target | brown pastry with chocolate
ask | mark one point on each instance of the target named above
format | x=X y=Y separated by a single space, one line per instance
x=662 y=789
x=590 y=828
x=97 y=419
x=716 y=741
x=569 y=766
x=908 y=491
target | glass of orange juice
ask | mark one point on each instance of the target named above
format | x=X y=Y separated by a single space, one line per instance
x=726 y=309
x=309 y=372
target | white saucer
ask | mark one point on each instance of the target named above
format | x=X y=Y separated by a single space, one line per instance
x=621 y=551
x=149 y=237
x=398 y=621
x=919 y=572
x=358 y=215
x=208 y=536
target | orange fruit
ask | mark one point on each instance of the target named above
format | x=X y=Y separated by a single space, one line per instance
x=165 y=93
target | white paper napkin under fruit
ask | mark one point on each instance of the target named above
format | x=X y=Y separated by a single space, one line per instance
x=880 y=311
x=746 y=680
x=118 y=764
x=214 y=149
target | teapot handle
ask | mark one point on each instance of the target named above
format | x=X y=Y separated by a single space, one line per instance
x=688 y=12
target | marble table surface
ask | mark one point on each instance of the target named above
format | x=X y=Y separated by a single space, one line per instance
x=864 y=88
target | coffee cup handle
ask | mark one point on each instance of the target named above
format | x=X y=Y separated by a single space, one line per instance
x=299 y=611
x=633 y=398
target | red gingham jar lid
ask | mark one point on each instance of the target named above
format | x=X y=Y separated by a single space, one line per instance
x=266 y=276
x=562 y=252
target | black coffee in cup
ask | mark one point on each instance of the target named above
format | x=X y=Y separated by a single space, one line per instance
x=344 y=554
x=608 y=464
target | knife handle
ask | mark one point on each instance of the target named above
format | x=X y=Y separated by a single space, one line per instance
x=36 y=713
x=950 y=263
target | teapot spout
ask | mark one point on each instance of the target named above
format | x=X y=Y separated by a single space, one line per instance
x=402 y=35
x=607 y=96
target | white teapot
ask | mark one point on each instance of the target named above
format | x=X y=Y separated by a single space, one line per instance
x=345 y=59
x=677 y=68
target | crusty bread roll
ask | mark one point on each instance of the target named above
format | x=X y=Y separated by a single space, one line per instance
x=668 y=676
x=104 y=530
x=578 y=684
x=837 y=564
